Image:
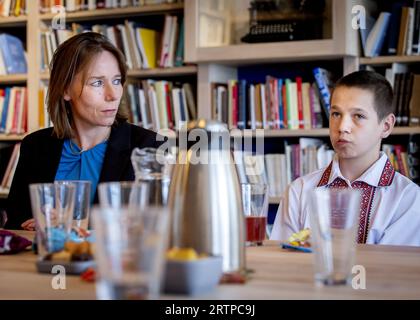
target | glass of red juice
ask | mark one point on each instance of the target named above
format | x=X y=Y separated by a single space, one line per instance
x=255 y=208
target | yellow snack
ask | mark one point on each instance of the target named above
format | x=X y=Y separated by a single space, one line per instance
x=61 y=256
x=182 y=254
x=300 y=236
x=71 y=247
x=75 y=248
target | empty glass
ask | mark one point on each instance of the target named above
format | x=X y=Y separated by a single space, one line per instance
x=82 y=202
x=131 y=240
x=52 y=208
x=334 y=219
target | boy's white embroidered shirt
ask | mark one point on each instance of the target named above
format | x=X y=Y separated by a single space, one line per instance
x=394 y=212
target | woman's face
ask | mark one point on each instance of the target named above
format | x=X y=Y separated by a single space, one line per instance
x=95 y=102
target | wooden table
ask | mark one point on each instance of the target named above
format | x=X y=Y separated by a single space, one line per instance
x=392 y=273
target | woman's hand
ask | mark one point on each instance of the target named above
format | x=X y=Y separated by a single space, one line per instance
x=28 y=225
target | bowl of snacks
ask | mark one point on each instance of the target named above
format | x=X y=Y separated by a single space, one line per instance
x=188 y=272
x=75 y=254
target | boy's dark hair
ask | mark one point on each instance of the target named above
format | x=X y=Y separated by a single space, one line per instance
x=375 y=83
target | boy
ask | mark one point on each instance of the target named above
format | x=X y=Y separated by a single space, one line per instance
x=361 y=116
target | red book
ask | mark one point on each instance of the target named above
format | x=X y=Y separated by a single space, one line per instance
x=285 y=106
x=235 y=107
x=398 y=149
x=169 y=105
x=299 y=102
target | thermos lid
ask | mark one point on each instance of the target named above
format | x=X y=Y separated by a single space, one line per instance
x=212 y=133
x=208 y=125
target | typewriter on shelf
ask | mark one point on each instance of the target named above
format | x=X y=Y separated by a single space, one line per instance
x=285 y=20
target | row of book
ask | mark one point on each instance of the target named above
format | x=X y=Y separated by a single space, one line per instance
x=143 y=47
x=276 y=104
x=396 y=32
x=149 y=103
x=13 y=110
x=9 y=156
x=401 y=160
x=406 y=87
x=12 y=55
x=159 y=105
x=79 y=5
x=10 y=8
x=407 y=99
x=278 y=170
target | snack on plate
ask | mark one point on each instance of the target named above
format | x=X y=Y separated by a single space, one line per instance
x=73 y=251
x=185 y=254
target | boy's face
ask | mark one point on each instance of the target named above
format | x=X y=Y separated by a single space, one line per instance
x=355 y=131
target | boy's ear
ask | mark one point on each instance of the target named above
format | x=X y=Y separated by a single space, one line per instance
x=387 y=125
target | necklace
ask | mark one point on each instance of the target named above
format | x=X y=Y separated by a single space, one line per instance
x=74 y=151
x=73 y=146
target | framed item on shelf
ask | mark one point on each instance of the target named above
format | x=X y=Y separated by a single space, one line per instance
x=214 y=23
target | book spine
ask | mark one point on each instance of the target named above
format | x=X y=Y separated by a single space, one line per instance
x=324 y=92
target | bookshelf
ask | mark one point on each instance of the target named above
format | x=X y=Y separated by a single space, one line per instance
x=35 y=21
x=217 y=62
x=13 y=79
x=224 y=57
x=13 y=21
x=118 y=12
x=31 y=26
x=386 y=60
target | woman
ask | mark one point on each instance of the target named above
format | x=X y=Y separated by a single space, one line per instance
x=91 y=139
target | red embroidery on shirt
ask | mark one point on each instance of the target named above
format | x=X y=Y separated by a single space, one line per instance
x=325 y=176
x=387 y=175
x=368 y=192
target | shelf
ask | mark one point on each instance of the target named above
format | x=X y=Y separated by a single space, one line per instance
x=13 y=79
x=4 y=193
x=163 y=72
x=11 y=137
x=282 y=133
x=274 y=200
x=13 y=21
x=151 y=73
x=389 y=60
x=324 y=132
x=269 y=52
x=406 y=130
x=117 y=12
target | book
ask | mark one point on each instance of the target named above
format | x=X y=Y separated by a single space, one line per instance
x=13 y=54
x=414 y=120
x=376 y=37
x=323 y=80
x=179 y=56
x=416 y=28
x=394 y=27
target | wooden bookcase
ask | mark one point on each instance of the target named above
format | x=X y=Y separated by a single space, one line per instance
x=35 y=21
x=220 y=63
x=212 y=64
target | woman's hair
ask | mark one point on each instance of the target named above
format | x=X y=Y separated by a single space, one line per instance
x=70 y=58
